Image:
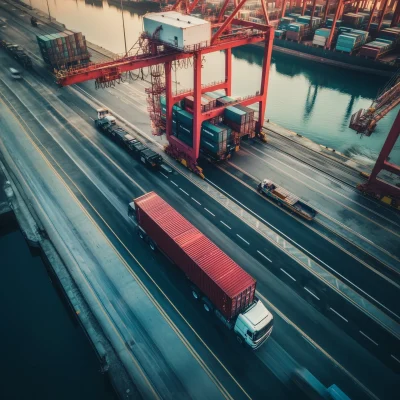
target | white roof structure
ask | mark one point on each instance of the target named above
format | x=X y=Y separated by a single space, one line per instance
x=176 y=19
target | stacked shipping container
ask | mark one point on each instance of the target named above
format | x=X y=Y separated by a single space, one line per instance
x=63 y=49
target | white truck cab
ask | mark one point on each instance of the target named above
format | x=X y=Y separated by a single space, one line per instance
x=104 y=114
x=254 y=325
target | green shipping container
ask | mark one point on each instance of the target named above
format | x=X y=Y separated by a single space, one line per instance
x=235 y=115
x=185 y=118
x=214 y=147
x=213 y=132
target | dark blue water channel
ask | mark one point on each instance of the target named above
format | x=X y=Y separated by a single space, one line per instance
x=44 y=353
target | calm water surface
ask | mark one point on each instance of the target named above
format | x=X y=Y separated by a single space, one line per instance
x=44 y=352
x=311 y=99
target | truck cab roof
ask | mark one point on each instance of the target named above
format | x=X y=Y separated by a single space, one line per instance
x=149 y=153
x=257 y=315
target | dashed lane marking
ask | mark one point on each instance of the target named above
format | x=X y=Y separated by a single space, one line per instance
x=244 y=240
x=209 y=212
x=263 y=255
x=223 y=223
x=174 y=183
x=290 y=276
x=312 y=294
x=341 y=316
x=165 y=176
x=373 y=341
x=395 y=358
x=187 y=194
x=196 y=201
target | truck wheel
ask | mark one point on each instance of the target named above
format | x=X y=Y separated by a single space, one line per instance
x=141 y=234
x=206 y=307
x=195 y=294
x=152 y=245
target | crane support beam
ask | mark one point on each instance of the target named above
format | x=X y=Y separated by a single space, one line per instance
x=377 y=187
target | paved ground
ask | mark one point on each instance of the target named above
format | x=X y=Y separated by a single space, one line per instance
x=307 y=329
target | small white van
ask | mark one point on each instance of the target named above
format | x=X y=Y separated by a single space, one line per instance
x=15 y=73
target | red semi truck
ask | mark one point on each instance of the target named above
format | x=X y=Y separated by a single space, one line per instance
x=222 y=285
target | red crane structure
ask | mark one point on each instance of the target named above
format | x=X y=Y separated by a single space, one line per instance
x=228 y=33
x=376 y=187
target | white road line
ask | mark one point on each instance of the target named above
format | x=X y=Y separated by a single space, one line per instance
x=310 y=343
x=209 y=212
x=290 y=276
x=395 y=358
x=341 y=316
x=91 y=118
x=174 y=183
x=222 y=222
x=373 y=341
x=261 y=254
x=196 y=201
x=244 y=240
x=301 y=247
x=312 y=294
x=187 y=194
x=163 y=175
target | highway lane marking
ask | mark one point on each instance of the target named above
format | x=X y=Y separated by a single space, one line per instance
x=90 y=117
x=324 y=352
x=326 y=187
x=373 y=341
x=312 y=255
x=244 y=240
x=341 y=316
x=154 y=301
x=318 y=219
x=165 y=176
x=209 y=212
x=395 y=358
x=51 y=167
x=300 y=220
x=312 y=294
x=196 y=201
x=173 y=183
x=223 y=223
x=290 y=276
x=187 y=194
x=263 y=255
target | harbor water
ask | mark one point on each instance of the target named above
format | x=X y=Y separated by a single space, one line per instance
x=44 y=352
x=312 y=99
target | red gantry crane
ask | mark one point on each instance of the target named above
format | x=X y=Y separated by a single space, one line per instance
x=159 y=56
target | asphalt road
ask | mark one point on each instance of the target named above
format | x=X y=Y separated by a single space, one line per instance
x=107 y=176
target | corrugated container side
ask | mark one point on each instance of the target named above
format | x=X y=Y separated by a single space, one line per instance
x=235 y=115
x=224 y=282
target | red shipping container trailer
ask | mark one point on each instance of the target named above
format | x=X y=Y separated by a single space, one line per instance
x=225 y=283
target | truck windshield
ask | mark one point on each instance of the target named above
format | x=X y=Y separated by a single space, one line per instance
x=259 y=334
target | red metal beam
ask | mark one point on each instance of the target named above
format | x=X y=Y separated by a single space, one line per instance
x=329 y=41
x=283 y=8
x=168 y=97
x=227 y=22
x=197 y=117
x=193 y=5
x=326 y=10
x=205 y=88
x=223 y=9
x=228 y=71
x=372 y=14
x=385 y=4
x=375 y=185
x=262 y=105
x=313 y=12
x=264 y=5
x=303 y=10
x=396 y=15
